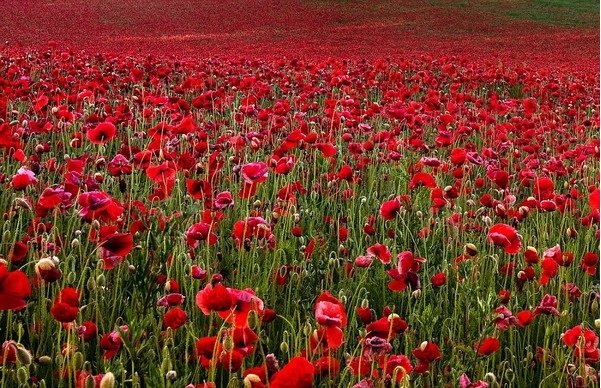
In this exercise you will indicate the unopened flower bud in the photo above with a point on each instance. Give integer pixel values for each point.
(78, 360)
(490, 377)
(22, 375)
(284, 347)
(471, 249)
(171, 375)
(228, 343)
(250, 379)
(23, 355)
(45, 361)
(108, 380)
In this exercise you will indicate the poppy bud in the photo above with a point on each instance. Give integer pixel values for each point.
(364, 303)
(101, 280)
(75, 243)
(71, 277)
(108, 380)
(7, 237)
(416, 294)
(23, 355)
(22, 203)
(131, 268)
(228, 343)
(166, 365)
(490, 377)
(252, 319)
(471, 249)
(284, 347)
(45, 361)
(250, 379)
(91, 284)
(571, 232)
(22, 375)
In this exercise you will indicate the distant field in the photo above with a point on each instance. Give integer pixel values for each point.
(553, 32)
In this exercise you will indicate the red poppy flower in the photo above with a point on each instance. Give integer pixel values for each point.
(586, 343)
(66, 305)
(589, 263)
(422, 179)
(111, 343)
(381, 252)
(328, 150)
(458, 156)
(406, 272)
(398, 365)
(98, 205)
(524, 317)
(118, 244)
(201, 231)
(504, 319)
(594, 199)
(213, 299)
(390, 209)
(439, 279)
(175, 318)
(199, 189)
(505, 236)
(23, 178)
(298, 373)
(243, 301)
(386, 327)
(253, 227)
(330, 312)
(102, 133)
(487, 346)
(327, 366)
(426, 353)
(14, 289)
(550, 269)
(87, 330)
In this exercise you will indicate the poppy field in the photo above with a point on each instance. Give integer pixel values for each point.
(327, 221)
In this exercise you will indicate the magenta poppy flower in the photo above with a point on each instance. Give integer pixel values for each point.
(255, 172)
(548, 305)
(201, 231)
(506, 237)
